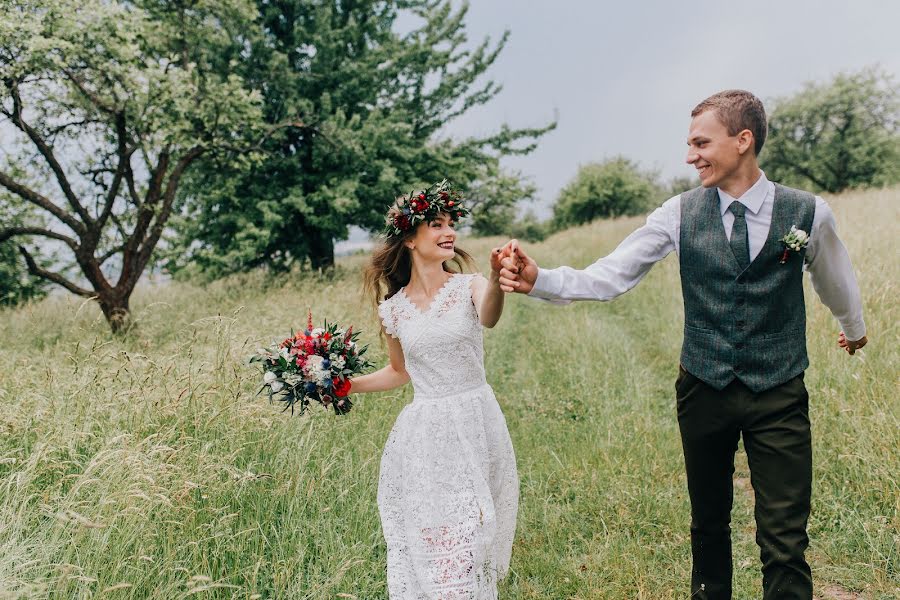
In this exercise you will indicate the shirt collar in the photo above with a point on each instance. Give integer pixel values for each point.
(753, 198)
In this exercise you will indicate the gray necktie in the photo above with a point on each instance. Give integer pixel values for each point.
(739, 244)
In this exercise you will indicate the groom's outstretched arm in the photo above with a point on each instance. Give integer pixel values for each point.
(610, 276)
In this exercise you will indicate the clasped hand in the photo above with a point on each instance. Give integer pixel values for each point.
(515, 270)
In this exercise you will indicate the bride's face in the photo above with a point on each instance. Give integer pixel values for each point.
(434, 241)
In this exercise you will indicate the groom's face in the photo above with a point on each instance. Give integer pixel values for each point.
(715, 154)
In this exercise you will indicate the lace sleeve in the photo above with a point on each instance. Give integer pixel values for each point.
(388, 317)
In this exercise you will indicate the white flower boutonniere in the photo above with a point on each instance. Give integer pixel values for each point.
(796, 240)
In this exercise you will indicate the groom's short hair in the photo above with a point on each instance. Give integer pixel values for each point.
(738, 110)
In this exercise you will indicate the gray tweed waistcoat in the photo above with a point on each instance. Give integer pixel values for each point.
(750, 324)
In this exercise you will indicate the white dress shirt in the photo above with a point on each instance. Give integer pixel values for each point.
(827, 260)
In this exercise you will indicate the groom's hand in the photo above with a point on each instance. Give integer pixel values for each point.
(850, 346)
(519, 271)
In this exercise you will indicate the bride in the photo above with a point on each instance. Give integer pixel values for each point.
(448, 490)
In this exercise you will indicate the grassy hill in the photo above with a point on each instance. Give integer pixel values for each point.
(146, 468)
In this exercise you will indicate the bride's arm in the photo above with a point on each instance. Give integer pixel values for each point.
(488, 298)
(392, 376)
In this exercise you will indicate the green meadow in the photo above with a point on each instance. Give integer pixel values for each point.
(146, 466)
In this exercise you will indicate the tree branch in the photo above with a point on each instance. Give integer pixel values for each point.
(165, 211)
(56, 278)
(110, 253)
(132, 189)
(46, 152)
(147, 210)
(41, 201)
(124, 158)
(94, 98)
(812, 177)
(60, 128)
(10, 232)
(119, 226)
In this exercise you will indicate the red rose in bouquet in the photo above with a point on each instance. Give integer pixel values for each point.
(341, 387)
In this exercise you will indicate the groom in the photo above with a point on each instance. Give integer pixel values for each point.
(744, 351)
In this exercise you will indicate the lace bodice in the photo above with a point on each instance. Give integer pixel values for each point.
(442, 346)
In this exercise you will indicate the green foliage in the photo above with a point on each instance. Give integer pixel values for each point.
(530, 228)
(496, 204)
(16, 284)
(369, 104)
(838, 135)
(679, 184)
(613, 188)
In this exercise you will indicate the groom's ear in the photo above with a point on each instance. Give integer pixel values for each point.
(745, 141)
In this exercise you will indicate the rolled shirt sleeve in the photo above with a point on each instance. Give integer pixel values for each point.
(831, 273)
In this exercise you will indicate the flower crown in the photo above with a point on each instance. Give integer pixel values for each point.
(409, 211)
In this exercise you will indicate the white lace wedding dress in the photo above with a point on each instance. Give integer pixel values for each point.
(448, 491)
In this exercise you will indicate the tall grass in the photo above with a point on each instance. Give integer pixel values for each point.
(148, 468)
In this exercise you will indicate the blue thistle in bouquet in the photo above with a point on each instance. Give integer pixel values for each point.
(314, 365)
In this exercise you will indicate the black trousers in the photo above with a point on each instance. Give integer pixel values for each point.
(775, 426)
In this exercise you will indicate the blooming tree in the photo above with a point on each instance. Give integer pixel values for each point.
(104, 106)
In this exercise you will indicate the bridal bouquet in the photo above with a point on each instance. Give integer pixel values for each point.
(314, 365)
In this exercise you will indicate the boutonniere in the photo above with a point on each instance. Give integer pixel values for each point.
(796, 240)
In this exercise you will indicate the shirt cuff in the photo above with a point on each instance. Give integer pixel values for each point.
(854, 331)
(545, 286)
(548, 286)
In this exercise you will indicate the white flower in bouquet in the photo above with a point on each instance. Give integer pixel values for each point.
(313, 363)
(269, 377)
(315, 369)
(337, 362)
(276, 385)
(292, 379)
(317, 331)
(285, 353)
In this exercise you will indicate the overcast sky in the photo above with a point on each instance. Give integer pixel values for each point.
(623, 76)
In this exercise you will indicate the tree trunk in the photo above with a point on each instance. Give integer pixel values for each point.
(115, 309)
(321, 250)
